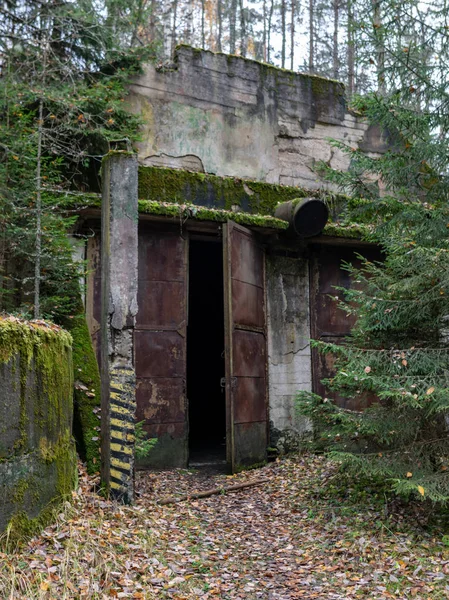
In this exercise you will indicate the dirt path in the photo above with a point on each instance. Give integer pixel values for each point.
(308, 532)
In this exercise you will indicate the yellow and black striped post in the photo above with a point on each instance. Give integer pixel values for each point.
(119, 308)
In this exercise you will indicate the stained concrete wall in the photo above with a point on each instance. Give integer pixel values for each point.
(235, 117)
(289, 357)
(37, 452)
(119, 219)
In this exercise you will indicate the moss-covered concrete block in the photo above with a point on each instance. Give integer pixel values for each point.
(87, 393)
(37, 452)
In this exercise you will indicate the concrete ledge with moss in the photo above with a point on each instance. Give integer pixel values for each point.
(37, 451)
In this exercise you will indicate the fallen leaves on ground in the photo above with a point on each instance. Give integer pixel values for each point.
(309, 532)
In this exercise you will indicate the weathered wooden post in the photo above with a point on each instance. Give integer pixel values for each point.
(119, 216)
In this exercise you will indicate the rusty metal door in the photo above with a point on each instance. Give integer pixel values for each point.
(245, 347)
(328, 322)
(160, 345)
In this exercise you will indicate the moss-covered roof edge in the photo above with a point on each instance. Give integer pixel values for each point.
(204, 213)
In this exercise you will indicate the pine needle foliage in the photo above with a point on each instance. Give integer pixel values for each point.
(397, 357)
(63, 89)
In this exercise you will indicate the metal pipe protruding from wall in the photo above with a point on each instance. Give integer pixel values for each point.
(306, 216)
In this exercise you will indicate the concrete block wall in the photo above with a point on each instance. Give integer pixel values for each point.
(37, 452)
(289, 357)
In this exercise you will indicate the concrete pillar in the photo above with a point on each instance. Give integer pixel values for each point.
(119, 217)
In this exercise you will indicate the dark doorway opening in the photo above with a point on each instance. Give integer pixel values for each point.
(205, 354)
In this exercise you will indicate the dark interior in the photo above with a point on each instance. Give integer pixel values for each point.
(205, 353)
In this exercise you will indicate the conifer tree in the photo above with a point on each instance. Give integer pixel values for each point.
(62, 96)
(397, 358)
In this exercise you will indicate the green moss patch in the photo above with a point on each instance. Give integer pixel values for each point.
(87, 393)
(181, 187)
(191, 211)
(348, 230)
(176, 193)
(39, 460)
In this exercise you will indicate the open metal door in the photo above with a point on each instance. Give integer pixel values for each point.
(245, 347)
(160, 345)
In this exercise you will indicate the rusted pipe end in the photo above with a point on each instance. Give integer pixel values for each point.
(306, 216)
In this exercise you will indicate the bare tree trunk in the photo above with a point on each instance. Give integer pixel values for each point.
(350, 36)
(135, 34)
(167, 28)
(335, 60)
(292, 37)
(188, 22)
(220, 24)
(232, 17)
(152, 24)
(379, 45)
(270, 21)
(243, 39)
(283, 26)
(38, 244)
(173, 31)
(264, 38)
(3, 219)
(311, 37)
(203, 15)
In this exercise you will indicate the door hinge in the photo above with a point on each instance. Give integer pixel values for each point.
(233, 383)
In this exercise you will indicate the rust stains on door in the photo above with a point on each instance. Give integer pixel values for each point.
(245, 347)
(160, 345)
(330, 323)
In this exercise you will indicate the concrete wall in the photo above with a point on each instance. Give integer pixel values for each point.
(289, 359)
(235, 117)
(37, 453)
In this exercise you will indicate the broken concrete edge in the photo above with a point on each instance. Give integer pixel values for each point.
(119, 218)
(37, 451)
(267, 67)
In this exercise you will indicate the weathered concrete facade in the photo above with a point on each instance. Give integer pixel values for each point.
(235, 117)
(289, 356)
(228, 298)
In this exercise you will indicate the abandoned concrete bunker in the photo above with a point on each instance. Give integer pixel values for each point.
(228, 293)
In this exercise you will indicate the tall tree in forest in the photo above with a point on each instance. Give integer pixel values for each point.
(311, 36)
(62, 95)
(269, 30)
(292, 34)
(243, 34)
(283, 31)
(232, 26)
(219, 25)
(335, 39)
(350, 50)
(397, 358)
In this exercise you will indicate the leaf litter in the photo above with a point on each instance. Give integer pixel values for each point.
(308, 532)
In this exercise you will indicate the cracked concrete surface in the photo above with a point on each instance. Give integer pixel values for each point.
(234, 117)
(289, 358)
